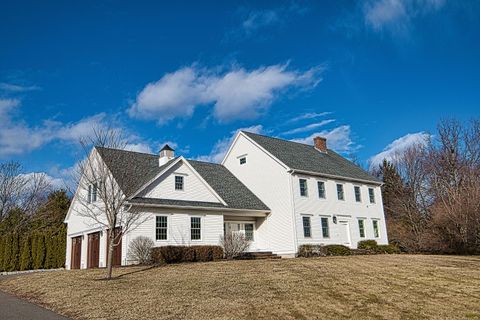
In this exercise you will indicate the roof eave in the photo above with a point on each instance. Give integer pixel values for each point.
(318, 174)
(201, 208)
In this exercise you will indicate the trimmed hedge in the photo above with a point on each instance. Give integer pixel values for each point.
(367, 244)
(388, 248)
(177, 254)
(316, 250)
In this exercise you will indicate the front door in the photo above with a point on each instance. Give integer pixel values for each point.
(244, 228)
(344, 233)
(76, 253)
(93, 250)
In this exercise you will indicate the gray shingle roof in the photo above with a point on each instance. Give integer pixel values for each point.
(299, 156)
(132, 170)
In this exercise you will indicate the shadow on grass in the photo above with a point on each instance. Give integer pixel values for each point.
(146, 268)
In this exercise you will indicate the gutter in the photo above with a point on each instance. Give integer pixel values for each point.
(292, 171)
(223, 209)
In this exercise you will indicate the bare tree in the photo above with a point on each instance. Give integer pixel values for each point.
(23, 191)
(234, 244)
(140, 250)
(99, 196)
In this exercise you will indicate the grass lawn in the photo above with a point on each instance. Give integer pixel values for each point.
(359, 287)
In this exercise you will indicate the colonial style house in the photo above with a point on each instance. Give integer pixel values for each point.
(279, 194)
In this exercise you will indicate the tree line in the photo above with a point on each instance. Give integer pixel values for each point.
(32, 232)
(431, 191)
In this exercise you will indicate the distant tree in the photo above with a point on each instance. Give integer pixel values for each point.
(40, 249)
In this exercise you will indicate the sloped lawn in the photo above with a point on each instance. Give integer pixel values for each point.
(358, 287)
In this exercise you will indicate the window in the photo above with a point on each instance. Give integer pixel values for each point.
(303, 188)
(161, 228)
(89, 198)
(178, 183)
(307, 232)
(243, 160)
(376, 233)
(249, 231)
(195, 228)
(340, 194)
(361, 228)
(358, 195)
(371, 194)
(325, 230)
(92, 193)
(321, 189)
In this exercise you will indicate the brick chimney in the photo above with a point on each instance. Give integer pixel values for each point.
(320, 144)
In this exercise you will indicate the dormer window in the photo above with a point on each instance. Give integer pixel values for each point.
(178, 183)
(243, 160)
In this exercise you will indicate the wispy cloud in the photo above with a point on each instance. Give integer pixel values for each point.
(17, 88)
(235, 94)
(395, 16)
(338, 139)
(18, 137)
(309, 127)
(221, 146)
(309, 116)
(399, 145)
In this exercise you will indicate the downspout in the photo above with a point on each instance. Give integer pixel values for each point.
(294, 221)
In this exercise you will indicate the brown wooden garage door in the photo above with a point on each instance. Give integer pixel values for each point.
(117, 250)
(76, 252)
(93, 250)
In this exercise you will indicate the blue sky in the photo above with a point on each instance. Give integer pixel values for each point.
(371, 76)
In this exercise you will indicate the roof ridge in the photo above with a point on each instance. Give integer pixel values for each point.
(130, 151)
(276, 138)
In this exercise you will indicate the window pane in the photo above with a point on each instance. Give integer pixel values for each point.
(249, 231)
(375, 229)
(195, 228)
(94, 192)
(361, 228)
(89, 197)
(161, 228)
(325, 229)
(303, 188)
(340, 192)
(306, 227)
(178, 183)
(358, 195)
(372, 195)
(321, 189)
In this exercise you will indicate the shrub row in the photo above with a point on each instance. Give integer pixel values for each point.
(364, 247)
(39, 250)
(177, 254)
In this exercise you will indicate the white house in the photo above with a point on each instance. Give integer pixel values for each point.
(279, 194)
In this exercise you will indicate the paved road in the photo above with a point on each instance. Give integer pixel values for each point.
(12, 308)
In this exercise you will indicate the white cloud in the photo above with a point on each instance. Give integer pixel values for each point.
(258, 19)
(17, 88)
(399, 145)
(138, 147)
(396, 15)
(309, 127)
(235, 94)
(56, 183)
(309, 115)
(339, 139)
(221, 146)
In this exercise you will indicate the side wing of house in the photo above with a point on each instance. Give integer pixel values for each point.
(269, 180)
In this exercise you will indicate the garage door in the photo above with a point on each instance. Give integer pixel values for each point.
(76, 252)
(117, 250)
(93, 250)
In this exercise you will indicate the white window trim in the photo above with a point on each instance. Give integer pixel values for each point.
(300, 189)
(245, 222)
(374, 196)
(364, 227)
(378, 227)
(175, 182)
(168, 228)
(328, 225)
(303, 227)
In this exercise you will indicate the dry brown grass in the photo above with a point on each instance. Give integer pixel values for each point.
(359, 287)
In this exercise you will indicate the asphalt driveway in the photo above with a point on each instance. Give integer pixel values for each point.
(13, 308)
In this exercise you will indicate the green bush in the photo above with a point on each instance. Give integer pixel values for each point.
(317, 250)
(177, 254)
(388, 248)
(367, 244)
